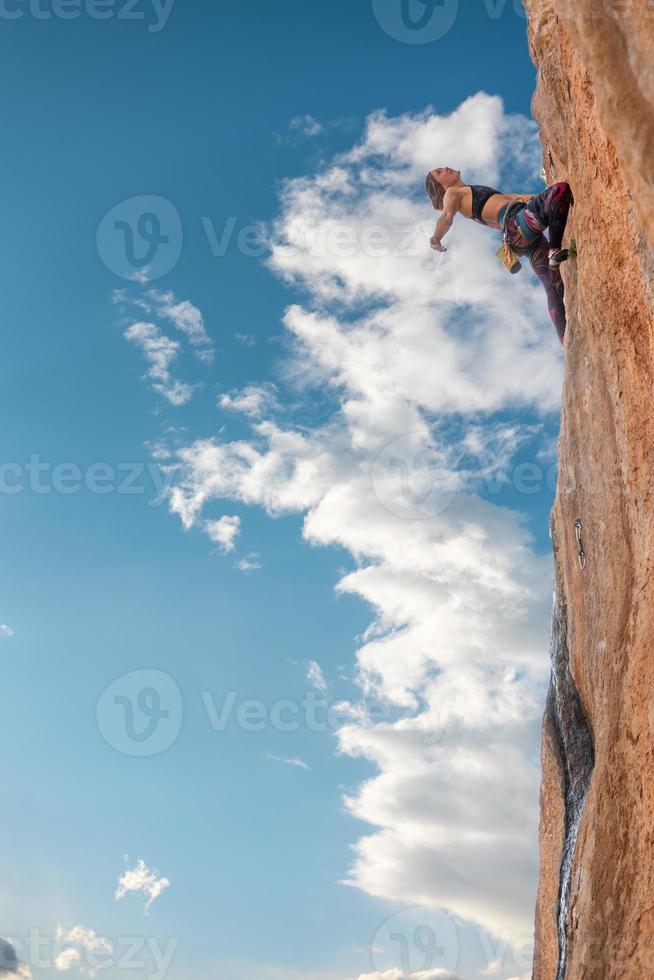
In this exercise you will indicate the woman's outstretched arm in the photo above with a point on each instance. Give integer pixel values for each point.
(444, 223)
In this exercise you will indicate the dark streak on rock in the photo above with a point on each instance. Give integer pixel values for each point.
(577, 754)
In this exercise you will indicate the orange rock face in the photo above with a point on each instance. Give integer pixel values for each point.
(595, 106)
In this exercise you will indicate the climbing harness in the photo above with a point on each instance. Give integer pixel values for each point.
(582, 553)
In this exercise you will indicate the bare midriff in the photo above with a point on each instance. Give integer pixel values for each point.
(492, 207)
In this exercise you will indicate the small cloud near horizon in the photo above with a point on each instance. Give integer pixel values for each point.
(250, 563)
(10, 965)
(224, 532)
(73, 941)
(141, 879)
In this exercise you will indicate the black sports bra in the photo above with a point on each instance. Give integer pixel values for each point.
(480, 197)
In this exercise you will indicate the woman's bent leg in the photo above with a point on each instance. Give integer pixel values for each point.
(553, 284)
(550, 210)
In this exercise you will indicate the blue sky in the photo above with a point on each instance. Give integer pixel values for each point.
(290, 118)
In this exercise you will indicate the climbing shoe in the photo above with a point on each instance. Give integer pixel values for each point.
(557, 256)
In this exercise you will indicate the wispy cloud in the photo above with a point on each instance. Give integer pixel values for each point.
(141, 879)
(160, 352)
(299, 129)
(141, 276)
(247, 339)
(297, 763)
(250, 563)
(6, 630)
(306, 125)
(187, 318)
(315, 676)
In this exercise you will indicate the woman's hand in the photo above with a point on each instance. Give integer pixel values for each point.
(436, 244)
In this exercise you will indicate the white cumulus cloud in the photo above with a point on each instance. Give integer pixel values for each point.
(78, 947)
(253, 400)
(67, 959)
(434, 372)
(224, 532)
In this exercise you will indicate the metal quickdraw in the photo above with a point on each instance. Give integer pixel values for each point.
(580, 548)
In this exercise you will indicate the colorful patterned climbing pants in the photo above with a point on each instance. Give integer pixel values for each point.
(525, 227)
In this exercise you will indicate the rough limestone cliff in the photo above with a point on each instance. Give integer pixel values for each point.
(595, 105)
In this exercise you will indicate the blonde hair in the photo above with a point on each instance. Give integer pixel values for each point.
(435, 192)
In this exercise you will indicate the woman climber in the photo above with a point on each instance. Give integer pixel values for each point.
(521, 217)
